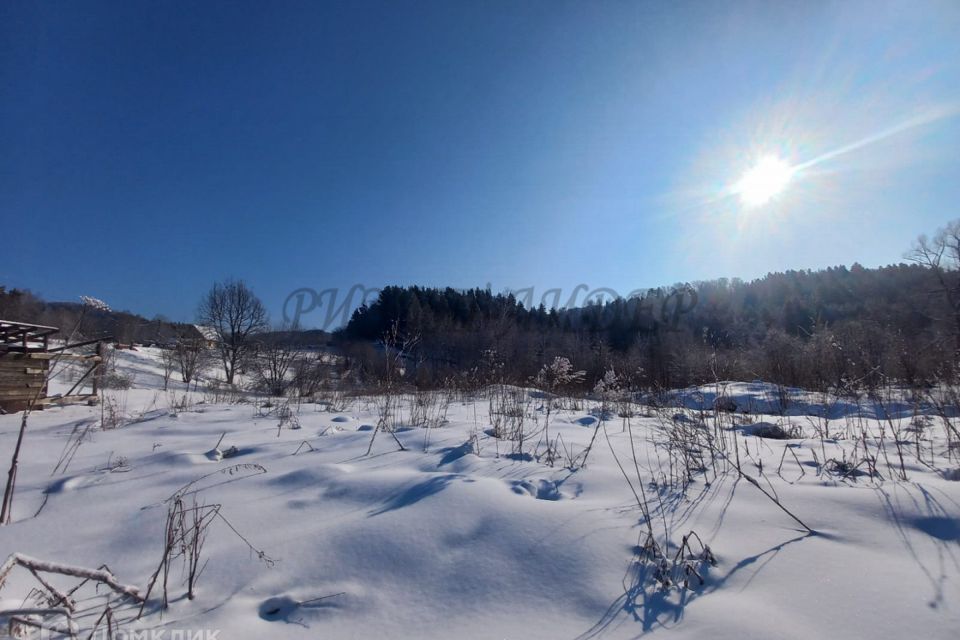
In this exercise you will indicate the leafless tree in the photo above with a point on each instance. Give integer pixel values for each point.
(310, 375)
(232, 310)
(191, 357)
(941, 254)
(275, 361)
(169, 361)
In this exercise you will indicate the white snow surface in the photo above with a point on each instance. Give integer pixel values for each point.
(456, 539)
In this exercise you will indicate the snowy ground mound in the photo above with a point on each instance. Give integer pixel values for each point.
(460, 535)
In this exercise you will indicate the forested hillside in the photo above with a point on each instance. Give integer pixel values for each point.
(808, 328)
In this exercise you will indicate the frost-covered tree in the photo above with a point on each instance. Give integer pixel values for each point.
(558, 374)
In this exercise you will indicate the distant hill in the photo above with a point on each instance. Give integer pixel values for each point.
(126, 327)
(84, 321)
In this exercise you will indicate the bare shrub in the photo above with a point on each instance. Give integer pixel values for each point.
(386, 403)
(274, 364)
(386, 400)
(336, 400)
(553, 378)
(287, 417)
(607, 389)
(111, 413)
(185, 533)
(191, 357)
(508, 412)
(776, 431)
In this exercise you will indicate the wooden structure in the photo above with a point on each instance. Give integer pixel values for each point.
(25, 359)
(23, 338)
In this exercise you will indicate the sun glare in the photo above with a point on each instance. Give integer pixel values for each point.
(764, 181)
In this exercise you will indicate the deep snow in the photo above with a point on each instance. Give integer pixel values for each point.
(462, 540)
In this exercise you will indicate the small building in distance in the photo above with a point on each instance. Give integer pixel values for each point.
(206, 335)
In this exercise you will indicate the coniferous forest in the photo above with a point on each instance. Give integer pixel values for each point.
(814, 329)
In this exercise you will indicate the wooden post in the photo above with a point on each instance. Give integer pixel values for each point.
(99, 372)
(6, 510)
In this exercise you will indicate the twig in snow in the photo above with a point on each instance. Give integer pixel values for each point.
(309, 446)
(97, 575)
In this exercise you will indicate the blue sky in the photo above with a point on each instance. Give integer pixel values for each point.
(149, 149)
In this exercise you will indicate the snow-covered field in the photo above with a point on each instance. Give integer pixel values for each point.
(456, 538)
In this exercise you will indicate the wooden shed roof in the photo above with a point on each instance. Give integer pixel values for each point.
(22, 336)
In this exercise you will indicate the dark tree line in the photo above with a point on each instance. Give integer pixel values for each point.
(817, 329)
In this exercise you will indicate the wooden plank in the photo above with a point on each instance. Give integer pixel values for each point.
(23, 383)
(9, 361)
(24, 393)
(17, 355)
(12, 406)
(18, 371)
(7, 377)
(11, 385)
(16, 364)
(9, 374)
(26, 325)
(20, 389)
(96, 341)
(42, 356)
(22, 370)
(68, 399)
(72, 357)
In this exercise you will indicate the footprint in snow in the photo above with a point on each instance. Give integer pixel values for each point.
(539, 489)
(282, 608)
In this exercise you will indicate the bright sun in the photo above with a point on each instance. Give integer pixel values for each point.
(765, 180)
